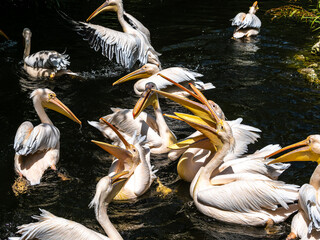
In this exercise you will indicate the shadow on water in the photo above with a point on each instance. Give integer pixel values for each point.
(253, 80)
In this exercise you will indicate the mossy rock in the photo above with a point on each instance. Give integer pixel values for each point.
(310, 75)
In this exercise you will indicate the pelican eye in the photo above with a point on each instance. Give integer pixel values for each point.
(51, 96)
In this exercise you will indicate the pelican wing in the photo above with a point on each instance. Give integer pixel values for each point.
(51, 227)
(243, 135)
(309, 200)
(136, 24)
(247, 192)
(177, 74)
(126, 48)
(242, 20)
(48, 60)
(29, 140)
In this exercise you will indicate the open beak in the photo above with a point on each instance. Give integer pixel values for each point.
(197, 142)
(140, 73)
(202, 126)
(56, 105)
(118, 152)
(104, 7)
(195, 107)
(302, 152)
(118, 177)
(148, 97)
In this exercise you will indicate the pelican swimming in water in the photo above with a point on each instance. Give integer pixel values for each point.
(306, 223)
(129, 47)
(247, 24)
(228, 192)
(38, 148)
(51, 227)
(133, 121)
(44, 63)
(134, 158)
(149, 73)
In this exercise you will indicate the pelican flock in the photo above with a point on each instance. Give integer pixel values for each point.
(226, 182)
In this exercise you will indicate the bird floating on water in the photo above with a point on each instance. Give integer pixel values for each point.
(134, 158)
(129, 48)
(38, 148)
(44, 63)
(248, 24)
(51, 227)
(150, 73)
(230, 194)
(306, 223)
(134, 121)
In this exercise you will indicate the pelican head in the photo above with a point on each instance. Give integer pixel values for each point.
(148, 97)
(254, 8)
(106, 189)
(48, 99)
(130, 155)
(306, 150)
(108, 5)
(145, 71)
(27, 34)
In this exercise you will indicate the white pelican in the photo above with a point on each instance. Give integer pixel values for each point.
(247, 24)
(128, 47)
(38, 148)
(134, 158)
(306, 223)
(149, 73)
(131, 121)
(51, 227)
(226, 192)
(44, 63)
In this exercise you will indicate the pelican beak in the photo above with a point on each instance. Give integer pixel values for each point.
(55, 104)
(140, 73)
(3, 34)
(202, 126)
(104, 7)
(118, 177)
(197, 142)
(195, 107)
(148, 97)
(118, 152)
(255, 5)
(302, 152)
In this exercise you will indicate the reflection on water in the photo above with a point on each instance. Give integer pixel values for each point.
(252, 80)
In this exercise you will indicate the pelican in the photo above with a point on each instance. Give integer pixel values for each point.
(306, 223)
(44, 63)
(38, 148)
(131, 121)
(51, 227)
(226, 192)
(128, 47)
(135, 159)
(193, 157)
(149, 73)
(247, 24)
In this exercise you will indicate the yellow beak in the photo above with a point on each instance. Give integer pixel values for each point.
(197, 142)
(104, 7)
(202, 126)
(118, 152)
(117, 178)
(56, 105)
(148, 97)
(3, 34)
(140, 73)
(302, 153)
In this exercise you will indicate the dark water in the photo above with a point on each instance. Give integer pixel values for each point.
(254, 80)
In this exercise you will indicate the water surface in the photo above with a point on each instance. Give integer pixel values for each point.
(253, 80)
